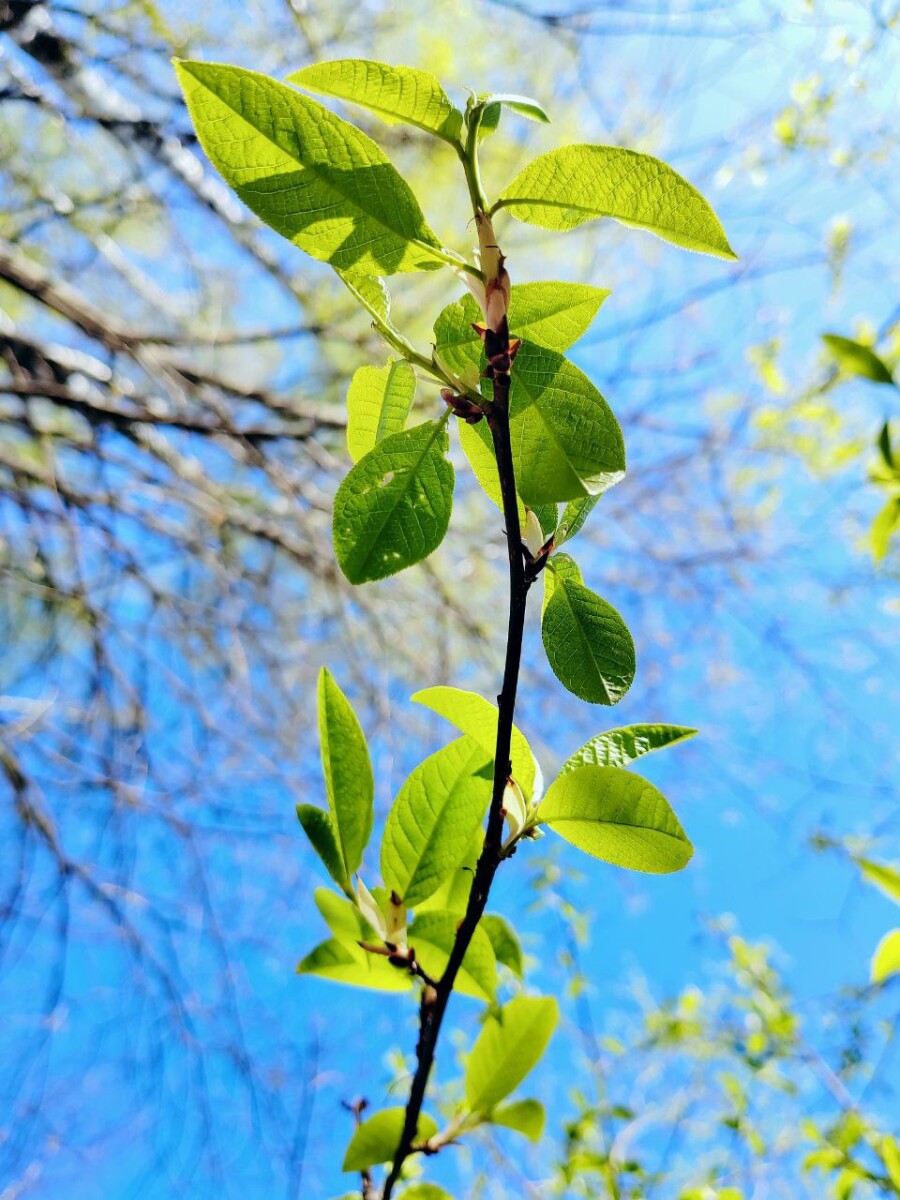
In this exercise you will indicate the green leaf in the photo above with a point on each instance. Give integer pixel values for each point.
(885, 447)
(349, 783)
(565, 187)
(886, 959)
(856, 358)
(553, 315)
(561, 568)
(587, 642)
(477, 717)
(574, 516)
(478, 448)
(506, 945)
(316, 179)
(566, 442)
(433, 934)
(394, 507)
(343, 918)
(618, 817)
(885, 525)
(523, 105)
(510, 1044)
(886, 878)
(490, 119)
(525, 1116)
(378, 403)
(396, 94)
(453, 894)
(376, 1140)
(890, 1155)
(619, 747)
(371, 292)
(319, 828)
(343, 963)
(432, 822)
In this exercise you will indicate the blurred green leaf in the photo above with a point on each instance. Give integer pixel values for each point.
(376, 1140)
(510, 1044)
(506, 945)
(886, 959)
(525, 1116)
(855, 358)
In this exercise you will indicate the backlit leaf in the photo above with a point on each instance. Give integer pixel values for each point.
(377, 1139)
(588, 644)
(343, 963)
(378, 403)
(616, 816)
(510, 1044)
(856, 358)
(619, 747)
(525, 1116)
(433, 934)
(886, 959)
(565, 187)
(393, 508)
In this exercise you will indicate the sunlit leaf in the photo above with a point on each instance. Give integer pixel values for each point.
(343, 918)
(396, 94)
(434, 818)
(349, 783)
(616, 816)
(565, 187)
(619, 747)
(588, 644)
(856, 358)
(378, 403)
(886, 959)
(343, 963)
(433, 934)
(393, 508)
(510, 1044)
(523, 105)
(506, 945)
(884, 877)
(316, 179)
(377, 1139)
(477, 717)
(525, 1116)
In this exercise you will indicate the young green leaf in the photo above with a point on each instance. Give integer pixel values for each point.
(886, 959)
(884, 527)
(574, 516)
(523, 105)
(319, 828)
(566, 442)
(506, 945)
(885, 878)
(424, 1191)
(510, 1044)
(317, 180)
(453, 894)
(376, 1140)
(396, 94)
(349, 783)
(618, 817)
(553, 315)
(525, 1116)
(478, 448)
(561, 568)
(434, 818)
(393, 508)
(477, 717)
(565, 187)
(372, 293)
(432, 935)
(619, 747)
(587, 643)
(344, 963)
(343, 918)
(378, 404)
(856, 358)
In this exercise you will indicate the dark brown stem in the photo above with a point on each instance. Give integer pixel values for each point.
(435, 1000)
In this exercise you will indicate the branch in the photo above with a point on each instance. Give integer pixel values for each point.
(435, 1000)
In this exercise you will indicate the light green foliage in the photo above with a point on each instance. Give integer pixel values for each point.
(565, 187)
(525, 1116)
(523, 105)
(433, 933)
(886, 959)
(574, 516)
(506, 945)
(424, 1191)
(378, 403)
(317, 180)
(566, 442)
(564, 568)
(453, 894)
(343, 918)
(587, 643)
(476, 444)
(884, 877)
(342, 962)
(349, 783)
(319, 828)
(856, 358)
(510, 1044)
(396, 94)
(434, 818)
(619, 747)
(618, 817)
(377, 1138)
(477, 717)
(393, 508)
